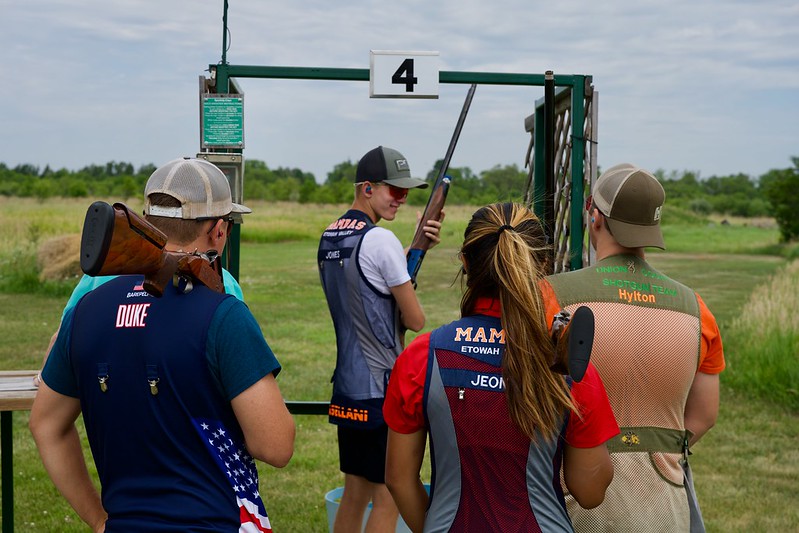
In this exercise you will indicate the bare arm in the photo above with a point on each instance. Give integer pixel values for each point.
(702, 406)
(52, 423)
(411, 313)
(404, 457)
(588, 472)
(267, 424)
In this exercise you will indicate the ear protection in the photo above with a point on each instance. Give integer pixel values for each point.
(593, 219)
(368, 188)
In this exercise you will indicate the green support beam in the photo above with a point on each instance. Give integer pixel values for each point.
(222, 73)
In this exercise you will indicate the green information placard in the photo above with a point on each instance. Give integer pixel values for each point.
(223, 121)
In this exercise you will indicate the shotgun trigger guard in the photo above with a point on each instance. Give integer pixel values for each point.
(182, 283)
(559, 323)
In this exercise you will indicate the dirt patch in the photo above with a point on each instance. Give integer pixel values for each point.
(59, 258)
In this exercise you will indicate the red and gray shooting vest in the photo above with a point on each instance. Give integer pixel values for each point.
(487, 475)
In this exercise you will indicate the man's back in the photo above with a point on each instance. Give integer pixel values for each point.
(648, 346)
(166, 442)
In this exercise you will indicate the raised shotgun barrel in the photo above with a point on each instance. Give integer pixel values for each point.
(116, 241)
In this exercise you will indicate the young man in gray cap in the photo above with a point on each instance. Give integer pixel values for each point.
(659, 352)
(178, 393)
(365, 278)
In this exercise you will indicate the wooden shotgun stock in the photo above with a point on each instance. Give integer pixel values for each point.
(116, 241)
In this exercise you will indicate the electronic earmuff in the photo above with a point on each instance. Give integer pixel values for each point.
(367, 189)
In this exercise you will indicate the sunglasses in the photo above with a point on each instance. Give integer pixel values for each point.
(398, 193)
(228, 219)
(589, 202)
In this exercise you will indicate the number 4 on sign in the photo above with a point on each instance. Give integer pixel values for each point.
(397, 74)
(404, 75)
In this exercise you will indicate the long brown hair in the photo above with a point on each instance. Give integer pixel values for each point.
(505, 251)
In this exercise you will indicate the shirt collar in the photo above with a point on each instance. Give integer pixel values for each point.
(487, 306)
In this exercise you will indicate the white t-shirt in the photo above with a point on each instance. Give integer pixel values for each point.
(382, 260)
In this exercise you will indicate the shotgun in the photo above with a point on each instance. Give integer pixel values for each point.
(573, 335)
(116, 241)
(438, 196)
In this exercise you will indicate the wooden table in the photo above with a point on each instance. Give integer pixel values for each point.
(16, 394)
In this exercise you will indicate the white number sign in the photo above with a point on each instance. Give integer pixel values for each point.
(397, 74)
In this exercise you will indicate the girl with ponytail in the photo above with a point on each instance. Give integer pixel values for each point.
(501, 422)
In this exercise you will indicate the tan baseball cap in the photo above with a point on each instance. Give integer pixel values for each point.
(632, 201)
(202, 189)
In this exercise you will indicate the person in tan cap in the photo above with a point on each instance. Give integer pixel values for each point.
(180, 196)
(177, 393)
(658, 350)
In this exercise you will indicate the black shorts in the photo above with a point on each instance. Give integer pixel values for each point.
(362, 452)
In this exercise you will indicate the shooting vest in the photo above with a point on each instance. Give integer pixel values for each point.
(366, 322)
(646, 348)
(487, 475)
(169, 451)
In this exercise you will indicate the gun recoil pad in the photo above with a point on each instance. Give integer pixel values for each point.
(98, 228)
(581, 341)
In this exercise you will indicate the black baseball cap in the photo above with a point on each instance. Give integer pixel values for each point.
(386, 165)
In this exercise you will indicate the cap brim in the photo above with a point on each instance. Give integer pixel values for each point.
(407, 183)
(635, 236)
(243, 209)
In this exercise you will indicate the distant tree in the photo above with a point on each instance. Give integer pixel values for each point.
(507, 183)
(730, 185)
(343, 172)
(781, 189)
(27, 170)
(686, 186)
(146, 170)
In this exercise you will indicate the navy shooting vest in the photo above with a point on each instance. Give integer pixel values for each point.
(366, 323)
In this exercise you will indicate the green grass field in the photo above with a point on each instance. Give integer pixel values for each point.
(746, 467)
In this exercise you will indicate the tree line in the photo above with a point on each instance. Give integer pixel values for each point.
(774, 194)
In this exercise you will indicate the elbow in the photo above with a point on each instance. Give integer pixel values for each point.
(589, 492)
(393, 479)
(275, 452)
(593, 497)
(590, 502)
(277, 456)
(415, 323)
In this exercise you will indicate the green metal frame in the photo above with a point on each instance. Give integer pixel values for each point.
(222, 73)
(577, 158)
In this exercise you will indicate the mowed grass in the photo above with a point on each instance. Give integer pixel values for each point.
(746, 467)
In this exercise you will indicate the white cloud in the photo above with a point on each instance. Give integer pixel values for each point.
(710, 86)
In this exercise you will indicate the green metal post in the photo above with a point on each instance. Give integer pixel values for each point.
(232, 254)
(539, 166)
(578, 172)
(7, 475)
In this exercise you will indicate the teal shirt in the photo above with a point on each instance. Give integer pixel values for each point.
(89, 283)
(236, 352)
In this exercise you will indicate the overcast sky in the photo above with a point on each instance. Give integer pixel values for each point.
(704, 85)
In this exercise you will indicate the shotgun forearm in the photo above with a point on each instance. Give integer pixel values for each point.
(421, 243)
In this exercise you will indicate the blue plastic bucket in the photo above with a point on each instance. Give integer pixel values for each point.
(332, 500)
